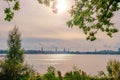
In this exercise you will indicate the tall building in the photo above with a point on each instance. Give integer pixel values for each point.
(118, 49)
(42, 49)
(56, 49)
(64, 50)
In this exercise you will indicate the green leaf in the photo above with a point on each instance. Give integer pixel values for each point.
(69, 23)
(40, 1)
(16, 6)
(88, 38)
(91, 33)
(109, 34)
(93, 38)
(7, 10)
(114, 30)
(110, 15)
(47, 2)
(9, 14)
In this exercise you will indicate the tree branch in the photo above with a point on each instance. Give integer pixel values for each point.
(8, 3)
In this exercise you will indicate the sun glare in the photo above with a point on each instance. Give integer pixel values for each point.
(61, 6)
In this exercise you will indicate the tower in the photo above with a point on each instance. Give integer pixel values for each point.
(42, 49)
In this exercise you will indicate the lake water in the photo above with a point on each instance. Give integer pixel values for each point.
(65, 62)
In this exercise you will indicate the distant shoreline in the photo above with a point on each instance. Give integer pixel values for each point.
(63, 53)
(102, 52)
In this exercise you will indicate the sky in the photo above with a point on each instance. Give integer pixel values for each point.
(40, 27)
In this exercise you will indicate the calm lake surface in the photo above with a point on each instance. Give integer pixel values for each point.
(65, 62)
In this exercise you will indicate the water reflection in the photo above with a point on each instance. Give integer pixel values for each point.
(64, 62)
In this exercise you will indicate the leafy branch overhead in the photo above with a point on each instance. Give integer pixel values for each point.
(94, 15)
(9, 11)
(90, 16)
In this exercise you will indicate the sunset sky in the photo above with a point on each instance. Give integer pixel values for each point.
(40, 27)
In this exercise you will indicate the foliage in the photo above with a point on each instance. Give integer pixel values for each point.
(113, 68)
(50, 75)
(72, 75)
(15, 53)
(12, 68)
(46, 2)
(59, 75)
(94, 15)
(9, 11)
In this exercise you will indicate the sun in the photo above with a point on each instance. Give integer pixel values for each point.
(61, 6)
